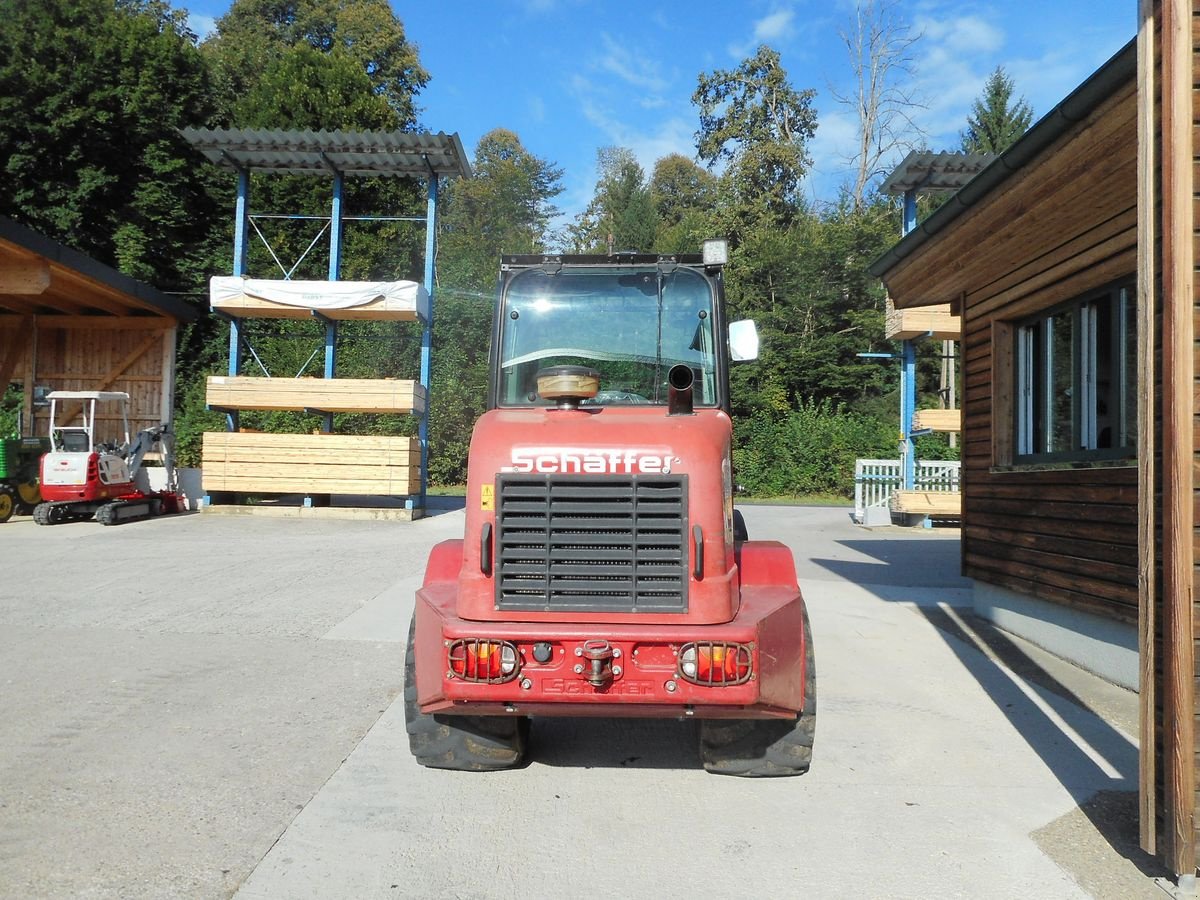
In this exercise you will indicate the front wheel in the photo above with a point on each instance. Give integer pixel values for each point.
(8, 502)
(463, 743)
(765, 747)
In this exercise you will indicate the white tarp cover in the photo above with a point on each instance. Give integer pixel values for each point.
(226, 290)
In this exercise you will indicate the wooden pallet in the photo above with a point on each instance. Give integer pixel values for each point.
(331, 395)
(257, 463)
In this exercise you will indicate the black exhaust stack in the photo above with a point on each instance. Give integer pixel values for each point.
(679, 390)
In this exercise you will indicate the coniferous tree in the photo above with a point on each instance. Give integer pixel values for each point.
(996, 120)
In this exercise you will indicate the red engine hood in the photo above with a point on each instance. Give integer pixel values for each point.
(607, 441)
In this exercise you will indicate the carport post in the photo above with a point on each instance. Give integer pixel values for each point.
(427, 335)
(241, 228)
(908, 404)
(335, 272)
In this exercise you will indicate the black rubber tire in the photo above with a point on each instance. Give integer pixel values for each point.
(763, 748)
(462, 743)
(8, 502)
(740, 533)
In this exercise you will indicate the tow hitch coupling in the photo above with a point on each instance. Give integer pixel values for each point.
(598, 662)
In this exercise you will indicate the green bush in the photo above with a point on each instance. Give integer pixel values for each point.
(810, 450)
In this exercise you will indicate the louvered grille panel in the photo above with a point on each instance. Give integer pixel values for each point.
(592, 543)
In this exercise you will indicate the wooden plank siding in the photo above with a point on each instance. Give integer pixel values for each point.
(1192, 148)
(1065, 534)
(136, 356)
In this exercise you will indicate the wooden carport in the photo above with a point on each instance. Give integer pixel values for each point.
(68, 322)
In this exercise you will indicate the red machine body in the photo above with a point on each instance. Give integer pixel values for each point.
(604, 570)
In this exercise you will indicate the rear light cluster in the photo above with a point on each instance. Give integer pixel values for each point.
(486, 661)
(712, 663)
(704, 663)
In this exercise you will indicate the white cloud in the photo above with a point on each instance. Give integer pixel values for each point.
(201, 26)
(775, 27)
(639, 71)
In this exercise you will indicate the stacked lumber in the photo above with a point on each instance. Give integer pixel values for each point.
(327, 395)
(937, 420)
(922, 321)
(927, 503)
(255, 462)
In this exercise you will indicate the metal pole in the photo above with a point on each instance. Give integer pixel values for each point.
(908, 407)
(427, 335)
(335, 271)
(908, 373)
(241, 228)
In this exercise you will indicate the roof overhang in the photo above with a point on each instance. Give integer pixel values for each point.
(39, 276)
(369, 153)
(930, 234)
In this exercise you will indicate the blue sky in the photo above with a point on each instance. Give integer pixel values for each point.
(572, 76)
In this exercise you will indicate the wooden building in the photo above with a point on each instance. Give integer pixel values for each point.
(68, 322)
(1070, 261)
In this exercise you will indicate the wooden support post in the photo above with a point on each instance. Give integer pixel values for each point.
(1146, 292)
(1178, 280)
(8, 363)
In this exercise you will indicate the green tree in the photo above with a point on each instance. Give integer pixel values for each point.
(621, 215)
(92, 93)
(505, 208)
(752, 118)
(255, 32)
(996, 121)
(684, 197)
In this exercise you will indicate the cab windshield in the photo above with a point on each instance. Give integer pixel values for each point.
(631, 325)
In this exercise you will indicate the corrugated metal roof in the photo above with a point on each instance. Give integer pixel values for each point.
(935, 173)
(322, 152)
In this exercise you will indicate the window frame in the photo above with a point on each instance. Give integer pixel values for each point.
(1035, 370)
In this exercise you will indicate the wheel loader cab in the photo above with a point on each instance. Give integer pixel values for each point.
(630, 322)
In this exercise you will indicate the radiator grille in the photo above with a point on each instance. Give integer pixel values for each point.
(592, 543)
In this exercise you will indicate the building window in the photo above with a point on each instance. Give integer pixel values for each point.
(1076, 371)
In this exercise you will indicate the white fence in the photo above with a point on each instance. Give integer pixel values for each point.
(875, 479)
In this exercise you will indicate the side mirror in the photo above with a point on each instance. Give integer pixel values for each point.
(743, 340)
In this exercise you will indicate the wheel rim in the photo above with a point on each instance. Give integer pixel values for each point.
(30, 493)
(6, 505)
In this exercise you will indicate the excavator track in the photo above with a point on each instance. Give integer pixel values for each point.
(128, 510)
(54, 513)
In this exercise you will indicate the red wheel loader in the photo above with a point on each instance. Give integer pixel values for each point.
(604, 570)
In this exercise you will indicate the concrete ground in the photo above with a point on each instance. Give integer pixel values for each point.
(206, 706)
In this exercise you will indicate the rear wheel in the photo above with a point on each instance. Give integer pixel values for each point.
(464, 743)
(765, 747)
(8, 502)
(29, 495)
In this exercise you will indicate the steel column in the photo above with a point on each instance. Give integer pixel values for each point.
(241, 230)
(427, 336)
(335, 272)
(908, 409)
